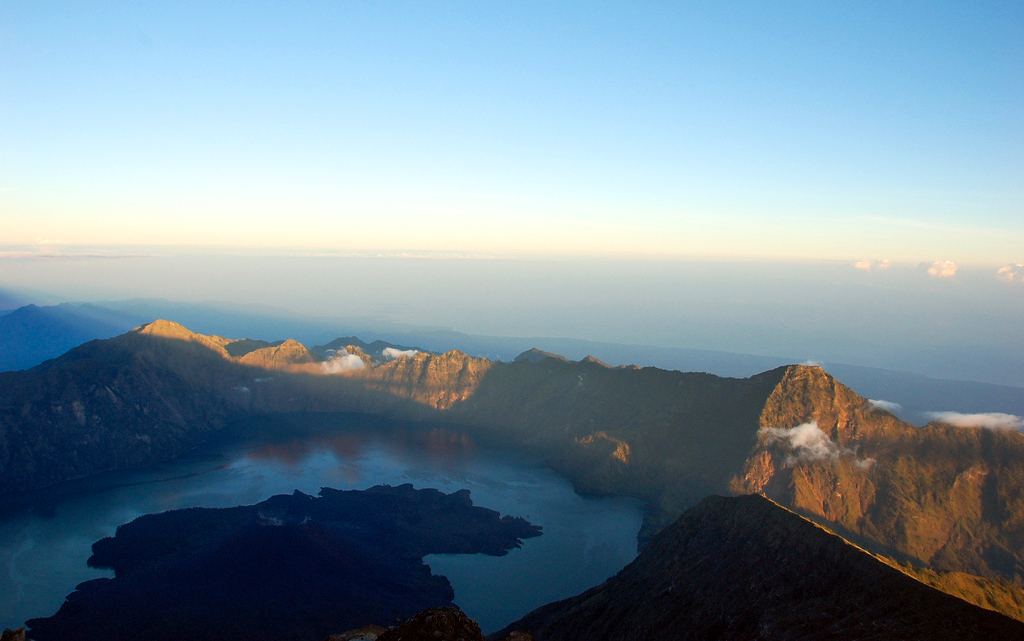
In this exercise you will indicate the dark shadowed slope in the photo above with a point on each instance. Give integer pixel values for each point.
(746, 568)
(291, 567)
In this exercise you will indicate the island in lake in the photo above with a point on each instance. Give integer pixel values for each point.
(292, 567)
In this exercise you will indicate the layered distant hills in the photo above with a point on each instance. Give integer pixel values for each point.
(939, 497)
(32, 334)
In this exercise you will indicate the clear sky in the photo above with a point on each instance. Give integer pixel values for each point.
(817, 130)
(835, 181)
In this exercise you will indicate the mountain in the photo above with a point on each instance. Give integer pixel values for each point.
(943, 497)
(32, 334)
(746, 568)
(378, 350)
(35, 339)
(949, 497)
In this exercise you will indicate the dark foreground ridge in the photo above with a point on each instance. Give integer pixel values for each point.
(746, 568)
(291, 567)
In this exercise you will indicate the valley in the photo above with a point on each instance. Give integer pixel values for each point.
(940, 498)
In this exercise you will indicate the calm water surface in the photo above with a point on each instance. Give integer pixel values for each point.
(44, 545)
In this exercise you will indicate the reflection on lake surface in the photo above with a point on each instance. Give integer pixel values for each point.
(46, 538)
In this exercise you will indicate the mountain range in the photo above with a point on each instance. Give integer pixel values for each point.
(941, 503)
(32, 334)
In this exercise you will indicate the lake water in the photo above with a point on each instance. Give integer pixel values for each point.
(45, 541)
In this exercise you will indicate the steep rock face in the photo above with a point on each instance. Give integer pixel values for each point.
(746, 568)
(947, 497)
(436, 381)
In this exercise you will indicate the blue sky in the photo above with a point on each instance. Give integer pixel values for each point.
(823, 180)
(835, 131)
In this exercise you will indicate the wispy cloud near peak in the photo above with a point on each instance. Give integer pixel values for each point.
(991, 420)
(888, 406)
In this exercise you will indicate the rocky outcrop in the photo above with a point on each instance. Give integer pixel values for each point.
(288, 355)
(436, 381)
(746, 568)
(447, 623)
(942, 496)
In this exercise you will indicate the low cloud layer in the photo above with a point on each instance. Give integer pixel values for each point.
(391, 353)
(885, 405)
(873, 265)
(1011, 273)
(940, 268)
(807, 443)
(992, 420)
(341, 362)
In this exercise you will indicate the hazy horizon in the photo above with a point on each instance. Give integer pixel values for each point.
(827, 182)
(900, 318)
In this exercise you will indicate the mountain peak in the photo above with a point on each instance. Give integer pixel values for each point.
(592, 360)
(534, 355)
(165, 329)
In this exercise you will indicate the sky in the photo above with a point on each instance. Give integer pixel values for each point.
(818, 178)
(815, 130)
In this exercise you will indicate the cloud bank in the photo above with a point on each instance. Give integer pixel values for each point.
(1011, 273)
(391, 353)
(940, 268)
(992, 420)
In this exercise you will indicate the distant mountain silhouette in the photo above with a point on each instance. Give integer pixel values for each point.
(30, 335)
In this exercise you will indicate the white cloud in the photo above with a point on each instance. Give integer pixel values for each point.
(940, 268)
(811, 363)
(391, 353)
(1011, 273)
(342, 361)
(993, 420)
(807, 443)
(884, 405)
(869, 265)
